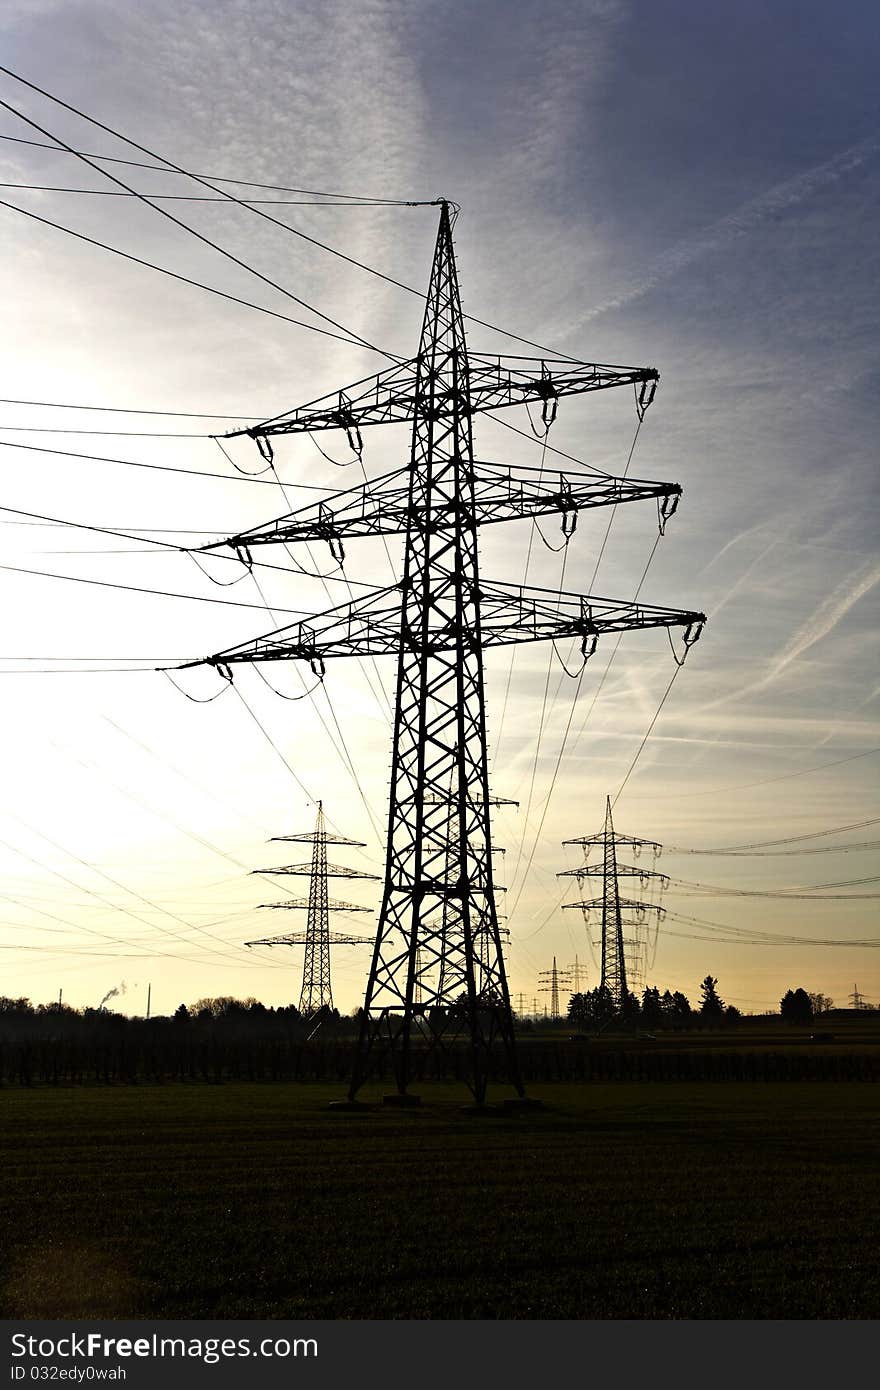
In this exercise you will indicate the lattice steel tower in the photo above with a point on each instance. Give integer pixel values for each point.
(438, 937)
(617, 912)
(552, 979)
(317, 992)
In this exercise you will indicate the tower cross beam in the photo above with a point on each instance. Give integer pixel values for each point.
(501, 493)
(623, 871)
(305, 870)
(509, 613)
(392, 396)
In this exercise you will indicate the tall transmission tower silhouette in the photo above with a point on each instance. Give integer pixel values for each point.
(617, 912)
(552, 979)
(437, 621)
(316, 994)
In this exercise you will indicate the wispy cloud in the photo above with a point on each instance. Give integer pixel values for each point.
(736, 224)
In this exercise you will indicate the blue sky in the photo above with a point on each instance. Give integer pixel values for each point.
(687, 186)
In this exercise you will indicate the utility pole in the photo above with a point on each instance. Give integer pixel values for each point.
(617, 912)
(316, 994)
(149, 993)
(437, 621)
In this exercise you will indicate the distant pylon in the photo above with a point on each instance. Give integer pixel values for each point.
(617, 911)
(552, 980)
(316, 992)
(578, 973)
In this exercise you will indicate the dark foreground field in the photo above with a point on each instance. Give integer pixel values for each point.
(616, 1201)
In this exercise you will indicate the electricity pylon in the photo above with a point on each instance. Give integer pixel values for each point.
(437, 621)
(316, 993)
(617, 912)
(552, 980)
(578, 973)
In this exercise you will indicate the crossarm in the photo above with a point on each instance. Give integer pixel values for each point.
(626, 905)
(493, 382)
(624, 870)
(306, 870)
(371, 626)
(302, 904)
(502, 492)
(300, 938)
(599, 839)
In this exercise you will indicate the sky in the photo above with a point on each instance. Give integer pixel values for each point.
(689, 187)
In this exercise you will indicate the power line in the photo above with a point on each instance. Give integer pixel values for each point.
(140, 589)
(787, 840)
(145, 805)
(169, 547)
(127, 410)
(802, 891)
(194, 197)
(549, 447)
(749, 937)
(176, 275)
(157, 467)
(93, 868)
(777, 853)
(119, 434)
(566, 732)
(341, 749)
(764, 782)
(76, 926)
(206, 183)
(274, 746)
(169, 216)
(663, 698)
(640, 415)
(164, 168)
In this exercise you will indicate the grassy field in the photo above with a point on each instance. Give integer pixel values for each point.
(615, 1201)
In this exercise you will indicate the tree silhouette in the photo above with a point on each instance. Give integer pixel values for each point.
(652, 1008)
(796, 1006)
(711, 1004)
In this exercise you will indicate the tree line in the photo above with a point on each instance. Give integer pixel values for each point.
(596, 1008)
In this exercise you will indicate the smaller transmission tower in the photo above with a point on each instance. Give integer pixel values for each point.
(617, 912)
(316, 994)
(552, 979)
(857, 1000)
(578, 976)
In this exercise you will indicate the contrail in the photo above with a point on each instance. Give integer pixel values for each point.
(818, 625)
(744, 219)
(827, 616)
